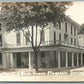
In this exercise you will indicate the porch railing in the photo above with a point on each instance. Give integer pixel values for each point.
(44, 43)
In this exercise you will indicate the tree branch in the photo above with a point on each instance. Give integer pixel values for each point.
(29, 32)
(32, 37)
(26, 36)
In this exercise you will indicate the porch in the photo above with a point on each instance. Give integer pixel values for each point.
(46, 60)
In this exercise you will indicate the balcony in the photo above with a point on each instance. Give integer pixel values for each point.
(45, 43)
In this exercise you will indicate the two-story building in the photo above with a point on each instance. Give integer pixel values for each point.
(60, 48)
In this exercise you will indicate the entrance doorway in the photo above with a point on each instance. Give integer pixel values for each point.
(79, 59)
(21, 59)
(18, 59)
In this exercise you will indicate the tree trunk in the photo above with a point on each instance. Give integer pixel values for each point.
(36, 60)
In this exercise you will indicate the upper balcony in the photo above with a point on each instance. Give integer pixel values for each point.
(45, 43)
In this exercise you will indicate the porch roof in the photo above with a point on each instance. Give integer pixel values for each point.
(46, 48)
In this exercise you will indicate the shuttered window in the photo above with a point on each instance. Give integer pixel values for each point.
(18, 38)
(0, 40)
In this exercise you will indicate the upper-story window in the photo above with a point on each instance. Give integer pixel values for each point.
(65, 38)
(42, 36)
(54, 37)
(71, 29)
(74, 41)
(27, 37)
(18, 38)
(56, 25)
(74, 31)
(0, 58)
(59, 37)
(60, 25)
(65, 27)
(71, 40)
(0, 26)
(0, 40)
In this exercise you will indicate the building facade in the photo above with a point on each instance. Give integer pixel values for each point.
(81, 40)
(59, 49)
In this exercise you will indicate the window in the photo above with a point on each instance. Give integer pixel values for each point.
(42, 36)
(0, 26)
(43, 59)
(59, 37)
(74, 41)
(56, 25)
(60, 25)
(65, 38)
(0, 40)
(18, 38)
(27, 37)
(54, 37)
(74, 31)
(71, 30)
(65, 27)
(0, 58)
(71, 41)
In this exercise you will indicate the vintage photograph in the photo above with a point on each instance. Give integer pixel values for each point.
(42, 41)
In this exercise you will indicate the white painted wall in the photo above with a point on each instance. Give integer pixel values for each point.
(62, 31)
(81, 40)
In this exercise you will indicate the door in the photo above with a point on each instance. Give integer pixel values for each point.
(43, 59)
(55, 59)
(79, 59)
(18, 59)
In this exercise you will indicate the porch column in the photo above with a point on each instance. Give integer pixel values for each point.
(72, 59)
(77, 59)
(30, 61)
(81, 59)
(4, 59)
(66, 60)
(58, 59)
(11, 60)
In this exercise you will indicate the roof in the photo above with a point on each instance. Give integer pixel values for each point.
(73, 22)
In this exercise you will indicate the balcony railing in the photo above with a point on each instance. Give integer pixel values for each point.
(44, 43)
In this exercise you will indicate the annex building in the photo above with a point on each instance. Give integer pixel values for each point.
(60, 48)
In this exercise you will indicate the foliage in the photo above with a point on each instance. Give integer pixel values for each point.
(19, 14)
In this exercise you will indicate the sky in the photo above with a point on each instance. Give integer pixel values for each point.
(76, 11)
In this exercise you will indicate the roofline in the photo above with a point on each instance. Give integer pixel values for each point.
(72, 21)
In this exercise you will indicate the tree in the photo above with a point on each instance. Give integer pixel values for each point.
(31, 16)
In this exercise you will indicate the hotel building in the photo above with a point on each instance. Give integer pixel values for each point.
(59, 48)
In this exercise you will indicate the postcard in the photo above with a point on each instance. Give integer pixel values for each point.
(42, 41)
